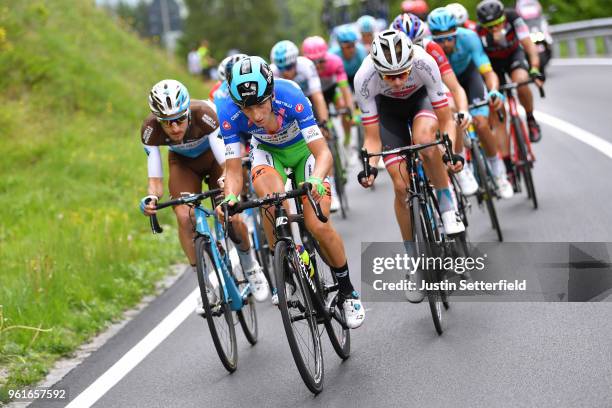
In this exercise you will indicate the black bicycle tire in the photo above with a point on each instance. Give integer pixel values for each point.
(526, 165)
(483, 176)
(338, 175)
(461, 200)
(202, 247)
(281, 252)
(422, 243)
(343, 351)
(251, 333)
(264, 255)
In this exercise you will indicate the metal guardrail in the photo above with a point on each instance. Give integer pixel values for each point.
(587, 31)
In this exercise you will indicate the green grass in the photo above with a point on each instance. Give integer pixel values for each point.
(600, 48)
(74, 249)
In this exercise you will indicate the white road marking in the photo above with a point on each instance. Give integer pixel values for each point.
(136, 354)
(577, 133)
(580, 61)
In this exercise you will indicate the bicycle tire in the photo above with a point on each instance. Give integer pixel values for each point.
(286, 267)
(325, 279)
(461, 200)
(222, 312)
(263, 253)
(480, 168)
(247, 315)
(423, 246)
(339, 176)
(525, 167)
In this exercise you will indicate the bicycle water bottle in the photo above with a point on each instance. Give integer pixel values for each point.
(305, 257)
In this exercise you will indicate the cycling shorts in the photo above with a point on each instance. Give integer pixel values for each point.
(332, 94)
(395, 117)
(518, 60)
(187, 173)
(475, 88)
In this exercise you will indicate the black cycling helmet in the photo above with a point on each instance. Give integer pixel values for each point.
(490, 12)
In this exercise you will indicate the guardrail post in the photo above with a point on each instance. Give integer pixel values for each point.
(591, 47)
(608, 45)
(572, 48)
(556, 49)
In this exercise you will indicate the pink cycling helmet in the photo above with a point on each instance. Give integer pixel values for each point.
(314, 48)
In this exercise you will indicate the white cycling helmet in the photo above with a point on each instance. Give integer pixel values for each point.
(169, 99)
(460, 13)
(227, 63)
(391, 52)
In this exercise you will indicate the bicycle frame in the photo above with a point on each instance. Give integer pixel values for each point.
(230, 290)
(513, 108)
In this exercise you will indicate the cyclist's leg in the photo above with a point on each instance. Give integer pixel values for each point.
(499, 127)
(519, 71)
(394, 115)
(184, 179)
(340, 103)
(268, 176)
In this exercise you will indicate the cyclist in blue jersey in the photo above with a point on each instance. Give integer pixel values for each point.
(473, 69)
(367, 28)
(284, 134)
(350, 50)
(190, 129)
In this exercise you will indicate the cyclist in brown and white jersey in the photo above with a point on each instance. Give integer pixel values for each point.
(190, 129)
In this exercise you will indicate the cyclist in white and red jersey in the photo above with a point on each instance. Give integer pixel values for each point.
(414, 28)
(399, 84)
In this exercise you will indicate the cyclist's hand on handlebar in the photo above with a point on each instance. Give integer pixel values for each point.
(463, 119)
(231, 200)
(497, 99)
(537, 76)
(318, 190)
(369, 181)
(148, 205)
(458, 166)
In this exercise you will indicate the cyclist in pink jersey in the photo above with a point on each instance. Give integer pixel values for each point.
(334, 81)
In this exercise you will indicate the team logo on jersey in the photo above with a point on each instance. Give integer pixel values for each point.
(146, 135)
(299, 108)
(226, 125)
(209, 120)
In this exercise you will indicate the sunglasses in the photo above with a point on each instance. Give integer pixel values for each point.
(444, 38)
(319, 61)
(287, 68)
(392, 77)
(493, 23)
(347, 45)
(178, 121)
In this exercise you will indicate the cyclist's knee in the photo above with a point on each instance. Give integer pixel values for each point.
(183, 216)
(481, 123)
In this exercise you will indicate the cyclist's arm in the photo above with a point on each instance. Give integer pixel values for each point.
(459, 95)
(323, 157)
(491, 80)
(346, 94)
(371, 141)
(481, 60)
(532, 52)
(233, 176)
(366, 86)
(320, 106)
(155, 171)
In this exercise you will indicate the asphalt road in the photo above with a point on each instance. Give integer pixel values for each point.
(491, 354)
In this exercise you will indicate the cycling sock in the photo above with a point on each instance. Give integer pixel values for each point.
(344, 281)
(445, 199)
(508, 164)
(193, 267)
(247, 259)
(497, 166)
(529, 115)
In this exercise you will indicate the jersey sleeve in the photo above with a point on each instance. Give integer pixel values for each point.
(480, 58)
(439, 56)
(520, 27)
(427, 70)
(365, 89)
(314, 83)
(230, 131)
(302, 113)
(154, 163)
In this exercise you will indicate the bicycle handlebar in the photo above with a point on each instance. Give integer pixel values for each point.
(514, 85)
(277, 198)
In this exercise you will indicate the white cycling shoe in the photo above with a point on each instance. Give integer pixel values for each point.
(211, 294)
(335, 203)
(467, 182)
(258, 283)
(504, 188)
(452, 222)
(415, 295)
(354, 312)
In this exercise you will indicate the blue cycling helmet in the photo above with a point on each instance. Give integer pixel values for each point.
(366, 24)
(284, 54)
(346, 34)
(251, 82)
(440, 20)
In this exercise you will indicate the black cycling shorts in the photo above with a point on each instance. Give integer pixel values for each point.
(395, 118)
(330, 94)
(472, 81)
(518, 60)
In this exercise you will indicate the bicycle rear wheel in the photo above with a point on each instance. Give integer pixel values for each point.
(247, 315)
(218, 313)
(525, 164)
(486, 189)
(339, 176)
(424, 246)
(298, 316)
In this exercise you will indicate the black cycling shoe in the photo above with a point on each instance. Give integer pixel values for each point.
(535, 134)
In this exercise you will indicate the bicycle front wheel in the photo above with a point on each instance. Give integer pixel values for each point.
(218, 313)
(298, 316)
(339, 176)
(424, 245)
(247, 315)
(487, 193)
